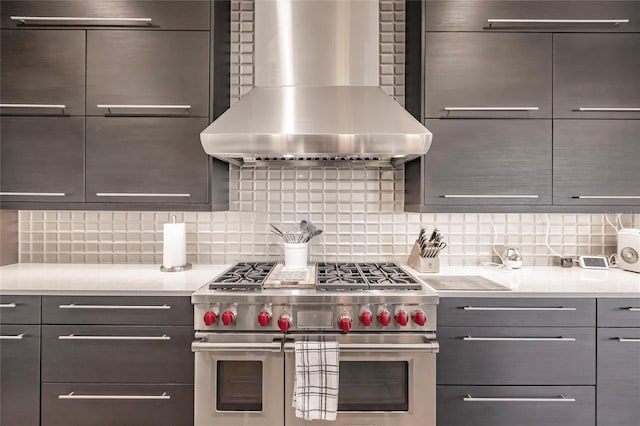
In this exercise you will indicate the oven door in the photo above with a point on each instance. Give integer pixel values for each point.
(238, 379)
(385, 380)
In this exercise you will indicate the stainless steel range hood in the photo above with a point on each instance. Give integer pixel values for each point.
(317, 96)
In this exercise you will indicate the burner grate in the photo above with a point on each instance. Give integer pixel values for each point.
(243, 276)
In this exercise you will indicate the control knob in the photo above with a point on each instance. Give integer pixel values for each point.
(345, 323)
(228, 317)
(210, 318)
(284, 323)
(366, 317)
(419, 317)
(402, 318)
(264, 318)
(384, 318)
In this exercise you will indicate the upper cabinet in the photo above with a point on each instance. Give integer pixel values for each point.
(596, 75)
(148, 72)
(533, 15)
(144, 14)
(488, 75)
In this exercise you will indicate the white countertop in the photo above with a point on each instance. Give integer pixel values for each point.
(103, 279)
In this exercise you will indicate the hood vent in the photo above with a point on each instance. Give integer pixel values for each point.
(316, 98)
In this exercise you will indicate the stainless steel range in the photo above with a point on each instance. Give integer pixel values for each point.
(248, 318)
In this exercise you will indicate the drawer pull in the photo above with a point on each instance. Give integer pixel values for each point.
(632, 309)
(25, 19)
(140, 194)
(72, 395)
(164, 337)
(520, 108)
(7, 305)
(601, 109)
(131, 307)
(627, 340)
(16, 337)
(561, 398)
(39, 106)
(34, 194)
(608, 197)
(489, 196)
(275, 346)
(509, 308)
(144, 106)
(519, 339)
(557, 21)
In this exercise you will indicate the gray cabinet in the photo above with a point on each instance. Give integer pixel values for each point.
(474, 162)
(148, 72)
(516, 405)
(596, 75)
(146, 159)
(42, 159)
(134, 14)
(488, 75)
(19, 309)
(19, 375)
(619, 312)
(43, 69)
(595, 162)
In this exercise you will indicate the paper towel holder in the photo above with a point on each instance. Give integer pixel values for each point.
(184, 267)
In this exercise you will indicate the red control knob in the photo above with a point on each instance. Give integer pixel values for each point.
(284, 323)
(345, 324)
(384, 318)
(264, 318)
(228, 318)
(210, 318)
(402, 318)
(366, 318)
(419, 317)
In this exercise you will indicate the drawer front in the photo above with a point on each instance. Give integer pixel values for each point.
(111, 405)
(146, 14)
(474, 15)
(117, 354)
(517, 312)
(117, 310)
(535, 406)
(19, 375)
(619, 312)
(516, 356)
(19, 309)
(618, 376)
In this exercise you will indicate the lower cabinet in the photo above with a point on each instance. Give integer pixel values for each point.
(516, 405)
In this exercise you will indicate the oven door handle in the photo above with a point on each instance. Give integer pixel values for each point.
(275, 346)
(429, 346)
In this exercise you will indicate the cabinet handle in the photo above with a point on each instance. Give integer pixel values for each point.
(16, 337)
(632, 309)
(140, 338)
(510, 308)
(628, 340)
(144, 106)
(25, 19)
(236, 347)
(140, 194)
(72, 395)
(519, 339)
(608, 197)
(7, 305)
(40, 106)
(557, 21)
(34, 194)
(560, 398)
(488, 196)
(523, 108)
(609, 109)
(132, 307)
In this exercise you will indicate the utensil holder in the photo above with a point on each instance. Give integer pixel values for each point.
(423, 264)
(296, 255)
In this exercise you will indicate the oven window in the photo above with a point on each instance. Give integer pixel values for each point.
(239, 386)
(374, 386)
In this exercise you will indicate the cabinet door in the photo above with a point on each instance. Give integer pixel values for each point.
(595, 162)
(596, 75)
(489, 162)
(146, 159)
(42, 159)
(549, 15)
(618, 376)
(488, 75)
(165, 70)
(42, 72)
(19, 375)
(146, 14)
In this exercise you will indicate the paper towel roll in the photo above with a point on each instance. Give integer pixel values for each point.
(174, 250)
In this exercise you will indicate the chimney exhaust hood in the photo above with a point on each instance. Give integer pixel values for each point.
(316, 96)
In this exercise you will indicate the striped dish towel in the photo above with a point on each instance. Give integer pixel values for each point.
(315, 390)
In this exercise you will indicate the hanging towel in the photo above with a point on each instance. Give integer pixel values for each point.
(315, 390)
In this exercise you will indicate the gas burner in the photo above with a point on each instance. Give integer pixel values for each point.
(243, 276)
(388, 276)
(340, 276)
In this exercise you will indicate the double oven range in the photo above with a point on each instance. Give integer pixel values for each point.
(383, 318)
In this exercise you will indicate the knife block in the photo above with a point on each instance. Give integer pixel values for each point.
(423, 264)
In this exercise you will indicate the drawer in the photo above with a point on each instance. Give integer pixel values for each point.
(618, 312)
(117, 354)
(19, 375)
(19, 309)
(534, 405)
(116, 405)
(138, 14)
(517, 312)
(119, 310)
(516, 356)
